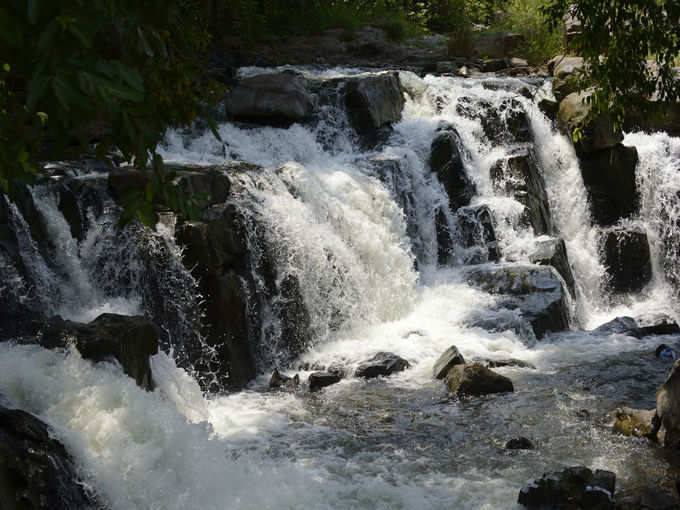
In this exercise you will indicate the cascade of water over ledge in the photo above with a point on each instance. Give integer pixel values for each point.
(377, 261)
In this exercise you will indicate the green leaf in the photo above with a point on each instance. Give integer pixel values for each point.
(6, 67)
(144, 43)
(125, 93)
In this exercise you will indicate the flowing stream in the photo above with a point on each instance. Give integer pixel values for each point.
(364, 251)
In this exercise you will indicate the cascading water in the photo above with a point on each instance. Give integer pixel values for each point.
(357, 230)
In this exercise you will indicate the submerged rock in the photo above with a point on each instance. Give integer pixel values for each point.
(668, 407)
(374, 101)
(520, 443)
(627, 257)
(278, 381)
(535, 291)
(448, 359)
(36, 471)
(574, 488)
(270, 99)
(130, 340)
(476, 228)
(382, 364)
(500, 363)
(475, 379)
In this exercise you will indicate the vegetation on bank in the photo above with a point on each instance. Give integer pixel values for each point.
(120, 72)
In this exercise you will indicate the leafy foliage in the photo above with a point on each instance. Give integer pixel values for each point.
(116, 71)
(629, 47)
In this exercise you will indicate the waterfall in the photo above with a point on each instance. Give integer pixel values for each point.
(345, 239)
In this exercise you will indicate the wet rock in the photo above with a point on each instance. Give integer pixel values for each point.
(549, 107)
(476, 228)
(500, 363)
(279, 381)
(634, 422)
(507, 124)
(374, 102)
(445, 243)
(475, 380)
(535, 291)
(270, 99)
(130, 340)
(597, 136)
(36, 471)
(448, 359)
(447, 162)
(628, 260)
(668, 407)
(216, 251)
(609, 178)
(290, 308)
(576, 488)
(553, 252)
(564, 72)
(520, 176)
(644, 325)
(520, 443)
(382, 364)
(319, 380)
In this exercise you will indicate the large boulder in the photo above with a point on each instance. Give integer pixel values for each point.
(564, 72)
(130, 340)
(553, 252)
(447, 162)
(609, 178)
(668, 407)
(574, 488)
(374, 101)
(598, 135)
(449, 358)
(475, 380)
(270, 99)
(520, 176)
(535, 291)
(36, 471)
(382, 364)
(641, 326)
(477, 233)
(319, 380)
(626, 255)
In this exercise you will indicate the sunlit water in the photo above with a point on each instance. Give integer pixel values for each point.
(400, 442)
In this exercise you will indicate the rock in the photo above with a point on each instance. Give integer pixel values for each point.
(506, 124)
(549, 107)
(216, 249)
(447, 162)
(374, 102)
(496, 44)
(634, 422)
(520, 176)
(644, 325)
(665, 352)
(448, 359)
(445, 243)
(494, 64)
(668, 407)
(553, 252)
(463, 72)
(598, 135)
(270, 99)
(500, 363)
(564, 71)
(130, 340)
(520, 443)
(609, 178)
(475, 379)
(476, 229)
(535, 291)
(382, 364)
(628, 260)
(278, 381)
(319, 380)
(446, 67)
(36, 471)
(656, 116)
(573, 488)
(518, 62)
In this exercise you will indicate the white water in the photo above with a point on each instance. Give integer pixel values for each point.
(393, 443)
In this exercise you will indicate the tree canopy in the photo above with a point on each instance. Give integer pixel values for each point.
(629, 49)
